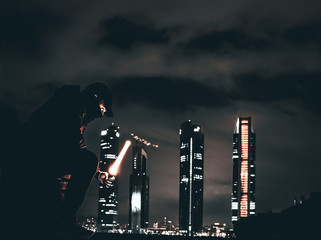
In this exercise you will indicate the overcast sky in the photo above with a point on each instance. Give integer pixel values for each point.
(170, 61)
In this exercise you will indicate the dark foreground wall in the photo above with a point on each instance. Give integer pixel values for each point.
(299, 222)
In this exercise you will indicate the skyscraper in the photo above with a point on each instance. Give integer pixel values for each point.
(243, 190)
(108, 197)
(191, 178)
(139, 191)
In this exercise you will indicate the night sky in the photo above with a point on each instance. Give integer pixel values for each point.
(170, 61)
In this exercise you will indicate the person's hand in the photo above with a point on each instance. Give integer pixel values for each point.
(105, 179)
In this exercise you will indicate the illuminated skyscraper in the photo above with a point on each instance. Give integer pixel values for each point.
(139, 191)
(243, 191)
(191, 178)
(108, 197)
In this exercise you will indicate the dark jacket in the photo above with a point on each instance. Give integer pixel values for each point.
(60, 122)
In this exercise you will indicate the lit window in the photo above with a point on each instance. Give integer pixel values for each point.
(183, 158)
(185, 180)
(197, 129)
(184, 145)
(234, 206)
(198, 177)
(104, 132)
(111, 156)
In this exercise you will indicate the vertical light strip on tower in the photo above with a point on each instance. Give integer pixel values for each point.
(244, 168)
(190, 186)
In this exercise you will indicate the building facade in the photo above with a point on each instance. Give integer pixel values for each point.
(139, 191)
(191, 178)
(243, 190)
(108, 197)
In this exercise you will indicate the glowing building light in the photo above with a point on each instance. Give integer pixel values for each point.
(136, 202)
(243, 207)
(243, 200)
(244, 169)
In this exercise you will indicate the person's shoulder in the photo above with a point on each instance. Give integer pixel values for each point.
(68, 89)
(68, 95)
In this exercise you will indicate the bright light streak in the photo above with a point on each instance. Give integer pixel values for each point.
(113, 170)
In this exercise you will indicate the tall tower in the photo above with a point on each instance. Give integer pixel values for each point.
(139, 191)
(108, 197)
(243, 190)
(191, 178)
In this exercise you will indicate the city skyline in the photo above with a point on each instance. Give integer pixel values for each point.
(167, 62)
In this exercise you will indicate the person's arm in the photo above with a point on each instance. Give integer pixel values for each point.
(71, 137)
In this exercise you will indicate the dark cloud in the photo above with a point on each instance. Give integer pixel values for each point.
(304, 34)
(122, 33)
(178, 95)
(169, 94)
(226, 41)
(263, 36)
(297, 86)
(24, 26)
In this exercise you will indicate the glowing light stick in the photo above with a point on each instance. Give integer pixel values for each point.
(113, 169)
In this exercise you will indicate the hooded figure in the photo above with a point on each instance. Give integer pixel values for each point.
(56, 150)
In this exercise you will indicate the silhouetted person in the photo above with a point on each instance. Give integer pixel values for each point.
(54, 150)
